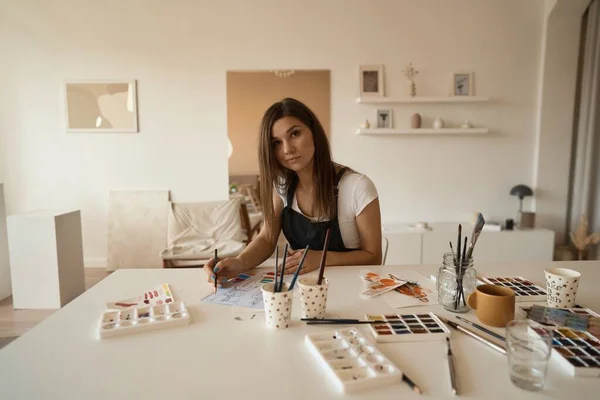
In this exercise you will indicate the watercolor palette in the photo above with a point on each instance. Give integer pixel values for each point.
(525, 290)
(408, 328)
(351, 361)
(577, 351)
(142, 319)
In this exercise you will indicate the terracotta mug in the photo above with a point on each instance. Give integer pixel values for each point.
(493, 305)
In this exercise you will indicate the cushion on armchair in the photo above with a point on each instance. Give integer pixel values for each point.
(195, 230)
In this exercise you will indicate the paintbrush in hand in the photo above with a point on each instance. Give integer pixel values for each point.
(324, 257)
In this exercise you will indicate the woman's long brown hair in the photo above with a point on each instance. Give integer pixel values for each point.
(274, 175)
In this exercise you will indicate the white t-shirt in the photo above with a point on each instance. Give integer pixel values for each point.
(355, 192)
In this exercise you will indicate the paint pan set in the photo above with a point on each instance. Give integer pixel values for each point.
(351, 361)
(407, 327)
(143, 319)
(525, 290)
(577, 351)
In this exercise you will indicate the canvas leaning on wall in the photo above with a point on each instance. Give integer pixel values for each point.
(101, 106)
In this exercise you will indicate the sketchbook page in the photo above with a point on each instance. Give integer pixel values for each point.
(160, 294)
(245, 293)
(418, 291)
(377, 284)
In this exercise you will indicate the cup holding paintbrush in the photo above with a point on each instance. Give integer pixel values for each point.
(278, 305)
(313, 290)
(313, 297)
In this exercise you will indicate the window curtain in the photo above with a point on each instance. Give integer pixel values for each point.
(584, 196)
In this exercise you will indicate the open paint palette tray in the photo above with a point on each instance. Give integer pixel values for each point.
(408, 327)
(525, 290)
(351, 361)
(577, 351)
(142, 319)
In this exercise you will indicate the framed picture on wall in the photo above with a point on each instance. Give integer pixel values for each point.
(370, 79)
(101, 106)
(384, 119)
(463, 84)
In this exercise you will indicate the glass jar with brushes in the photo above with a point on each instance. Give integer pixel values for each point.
(456, 280)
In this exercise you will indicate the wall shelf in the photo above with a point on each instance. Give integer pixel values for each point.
(423, 131)
(408, 100)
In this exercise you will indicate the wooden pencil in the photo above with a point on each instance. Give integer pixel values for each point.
(324, 257)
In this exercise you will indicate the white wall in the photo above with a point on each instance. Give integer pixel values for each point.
(179, 51)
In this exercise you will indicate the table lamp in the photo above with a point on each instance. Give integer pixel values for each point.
(522, 191)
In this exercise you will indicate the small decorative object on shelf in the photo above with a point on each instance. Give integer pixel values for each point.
(415, 121)
(410, 72)
(438, 123)
(366, 124)
(466, 125)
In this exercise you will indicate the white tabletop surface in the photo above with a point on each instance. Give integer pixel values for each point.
(219, 357)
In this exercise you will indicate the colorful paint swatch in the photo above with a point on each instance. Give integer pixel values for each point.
(525, 290)
(268, 277)
(407, 327)
(558, 317)
(593, 318)
(577, 351)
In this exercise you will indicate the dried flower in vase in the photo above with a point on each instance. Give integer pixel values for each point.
(581, 240)
(410, 72)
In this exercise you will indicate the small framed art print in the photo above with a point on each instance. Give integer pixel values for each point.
(371, 80)
(384, 119)
(463, 84)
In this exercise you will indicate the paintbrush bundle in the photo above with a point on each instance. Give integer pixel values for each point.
(143, 319)
(351, 361)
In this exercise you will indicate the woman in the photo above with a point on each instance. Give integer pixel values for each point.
(304, 193)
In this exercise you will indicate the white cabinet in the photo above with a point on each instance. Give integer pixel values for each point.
(5, 289)
(46, 258)
(503, 246)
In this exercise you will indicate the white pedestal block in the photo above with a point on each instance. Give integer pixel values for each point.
(5, 288)
(46, 258)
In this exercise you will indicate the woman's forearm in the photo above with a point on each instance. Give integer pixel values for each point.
(354, 257)
(256, 252)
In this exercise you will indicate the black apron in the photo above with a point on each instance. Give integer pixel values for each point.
(300, 231)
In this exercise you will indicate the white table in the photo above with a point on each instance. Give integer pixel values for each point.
(218, 357)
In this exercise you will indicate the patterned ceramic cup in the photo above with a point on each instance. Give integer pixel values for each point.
(278, 306)
(313, 297)
(561, 287)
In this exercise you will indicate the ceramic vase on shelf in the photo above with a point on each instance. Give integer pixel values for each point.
(412, 89)
(415, 121)
(366, 124)
(438, 123)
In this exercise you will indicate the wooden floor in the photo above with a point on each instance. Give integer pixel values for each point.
(14, 323)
